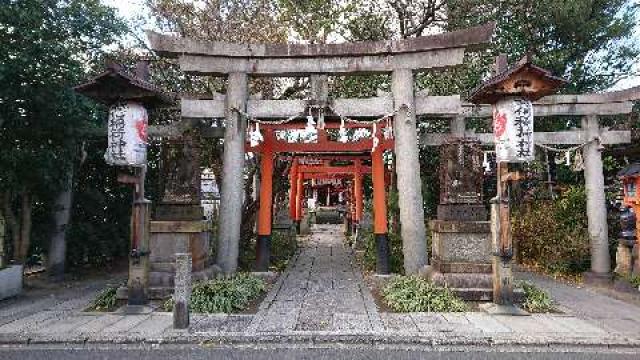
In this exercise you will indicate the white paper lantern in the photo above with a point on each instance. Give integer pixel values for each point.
(513, 130)
(127, 135)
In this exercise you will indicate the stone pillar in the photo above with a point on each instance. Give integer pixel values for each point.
(457, 126)
(263, 242)
(414, 242)
(319, 84)
(232, 190)
(596, 205)
(182, 292)
(380, 212)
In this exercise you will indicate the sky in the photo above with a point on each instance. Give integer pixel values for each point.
(134, 8)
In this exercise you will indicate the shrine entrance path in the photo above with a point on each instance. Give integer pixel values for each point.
(321, 290)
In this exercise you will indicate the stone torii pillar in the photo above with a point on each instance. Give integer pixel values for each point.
(596, 204)
(414, 242)
(232, 190)
(263, 241)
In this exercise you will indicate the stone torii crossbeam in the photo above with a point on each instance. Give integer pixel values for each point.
(399, 58)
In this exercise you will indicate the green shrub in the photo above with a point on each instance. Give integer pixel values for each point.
(226, 295)
(635, 280)
(415, 294)
(553, 234)
(283, 247)
(536, 300)
(168, 304)
(105, 301)
(396, 257)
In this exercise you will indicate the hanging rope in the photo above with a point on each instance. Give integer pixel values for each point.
(569, 149)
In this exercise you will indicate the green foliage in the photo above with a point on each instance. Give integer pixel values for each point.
(226, 295)
(105, 301)
(283, 247)
(415, 294)
(316, 20)
(536, 300)
(593, 55)
(396, 257)
(553, 234)
(168, 304)
(46, 48)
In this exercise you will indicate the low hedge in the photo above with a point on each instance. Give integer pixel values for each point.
(416, 294)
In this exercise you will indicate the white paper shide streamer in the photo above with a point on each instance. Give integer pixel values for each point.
(127, 135)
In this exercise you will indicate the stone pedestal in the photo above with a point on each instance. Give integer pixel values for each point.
(169, 238)
(462, 258)
(624, 259)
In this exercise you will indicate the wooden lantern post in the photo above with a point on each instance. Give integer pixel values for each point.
(511, 93)
(129, 96)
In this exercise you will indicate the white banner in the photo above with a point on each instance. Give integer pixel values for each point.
(513, 130)
(127, 134)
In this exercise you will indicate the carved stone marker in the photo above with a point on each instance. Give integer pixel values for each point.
(182, 292)
(461, 236)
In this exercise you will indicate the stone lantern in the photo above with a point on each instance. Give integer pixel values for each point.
(628, 254)
(128, 98)
(511, 93)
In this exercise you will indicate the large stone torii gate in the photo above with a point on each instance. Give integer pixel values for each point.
(401, 59)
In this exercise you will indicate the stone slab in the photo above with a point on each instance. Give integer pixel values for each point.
(486, 323)
(125, 325)
(398, 322)
(153, 326)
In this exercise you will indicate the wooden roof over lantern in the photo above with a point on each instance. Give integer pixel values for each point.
(524, 79)
(115, 85)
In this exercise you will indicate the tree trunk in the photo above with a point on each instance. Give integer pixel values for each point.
(12, 222)
(58, 242)
(25, 227)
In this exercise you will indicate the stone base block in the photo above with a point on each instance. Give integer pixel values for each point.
(10, 281)
(171, 237)
(598, 279)
(469, 286)
(461, 241)
(624, 260)
(461, 267)
(462, 212)
(472, 281)
(163, 283)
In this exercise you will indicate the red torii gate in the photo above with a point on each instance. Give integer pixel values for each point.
(322, 149)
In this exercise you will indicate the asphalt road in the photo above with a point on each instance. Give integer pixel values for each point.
(301, 352)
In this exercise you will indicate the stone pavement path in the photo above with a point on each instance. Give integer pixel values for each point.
(321, 290)
(610, 314)
(322, 296)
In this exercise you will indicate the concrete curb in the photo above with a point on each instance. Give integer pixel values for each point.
(434, 339)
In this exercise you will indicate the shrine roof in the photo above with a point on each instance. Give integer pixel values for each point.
(631, 170)
(172, 46)
(115, 84)
(521, 79)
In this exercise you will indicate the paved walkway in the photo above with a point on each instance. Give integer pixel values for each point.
(607, 313)
(322, 290)
(322, 297)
